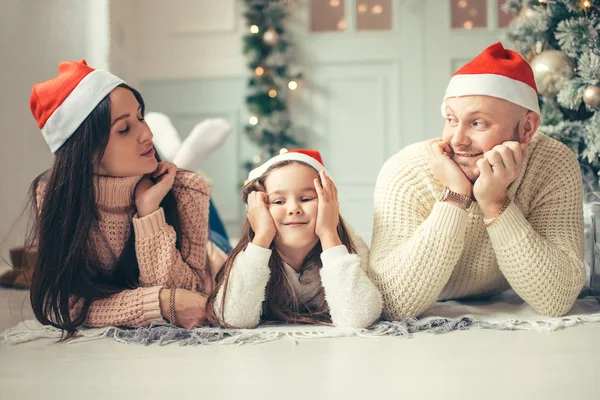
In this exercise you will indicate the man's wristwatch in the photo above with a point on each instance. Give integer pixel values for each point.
(460, 200)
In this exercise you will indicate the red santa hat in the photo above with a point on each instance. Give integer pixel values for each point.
(496, 72)
(310, 157)
(61, 104)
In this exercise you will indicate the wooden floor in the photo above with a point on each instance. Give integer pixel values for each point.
(460, 365)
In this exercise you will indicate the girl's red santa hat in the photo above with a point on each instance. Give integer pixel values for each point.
(310, 157)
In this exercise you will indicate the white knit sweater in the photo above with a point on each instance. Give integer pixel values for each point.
(423, 250)
(353, 299)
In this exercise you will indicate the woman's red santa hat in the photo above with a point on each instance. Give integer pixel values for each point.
(496, 72)
(61, 104)
(310, 157)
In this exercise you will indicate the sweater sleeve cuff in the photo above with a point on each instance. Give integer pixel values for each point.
(257, 253)
(330, 255)
(151, 305)
(149, 225)
(509, 226)
(448, 219)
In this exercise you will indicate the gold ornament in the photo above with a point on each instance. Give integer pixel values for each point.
(271, 37)
(591, 96)
(551, 69)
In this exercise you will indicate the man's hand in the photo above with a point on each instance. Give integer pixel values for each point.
(445, 170)
(498, 168)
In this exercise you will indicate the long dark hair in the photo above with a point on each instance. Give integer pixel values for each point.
(67, 267)
(281, 303)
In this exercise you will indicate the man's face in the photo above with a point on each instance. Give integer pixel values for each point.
(475, 124)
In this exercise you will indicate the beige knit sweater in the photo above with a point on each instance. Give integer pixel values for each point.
(160, 263)
(423, 250)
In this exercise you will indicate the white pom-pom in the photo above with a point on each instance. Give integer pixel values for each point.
(204, 138)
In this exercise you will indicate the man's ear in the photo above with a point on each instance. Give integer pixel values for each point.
(530, 124)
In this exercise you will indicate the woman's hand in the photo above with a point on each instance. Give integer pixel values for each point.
(190, 307)
(153, 188)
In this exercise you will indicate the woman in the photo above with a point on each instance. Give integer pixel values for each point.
(122, 237)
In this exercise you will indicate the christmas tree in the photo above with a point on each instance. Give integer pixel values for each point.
(268, 49)
(560, 40)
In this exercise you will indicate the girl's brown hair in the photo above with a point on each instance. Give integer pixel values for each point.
(281, 303)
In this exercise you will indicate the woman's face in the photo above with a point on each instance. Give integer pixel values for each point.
(129, 151)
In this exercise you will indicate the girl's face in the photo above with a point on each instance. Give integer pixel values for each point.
(130, 151)
(293, 205)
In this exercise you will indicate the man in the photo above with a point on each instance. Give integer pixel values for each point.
(488, 206)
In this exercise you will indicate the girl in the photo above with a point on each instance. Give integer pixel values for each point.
(121, 236)
(297, 260)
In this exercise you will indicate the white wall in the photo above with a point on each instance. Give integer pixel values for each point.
(35, 35)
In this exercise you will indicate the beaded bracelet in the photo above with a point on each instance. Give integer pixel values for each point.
(490, 222)
(172, 305)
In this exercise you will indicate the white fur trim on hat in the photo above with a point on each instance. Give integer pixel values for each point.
(77, 106)
(493, 85)
(289, 156)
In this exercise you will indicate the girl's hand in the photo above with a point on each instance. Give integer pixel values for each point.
(153, 188)
(260, 219)
(328, 212)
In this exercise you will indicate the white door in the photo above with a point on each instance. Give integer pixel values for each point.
(362, 60)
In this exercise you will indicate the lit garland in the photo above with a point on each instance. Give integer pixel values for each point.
(268, 48)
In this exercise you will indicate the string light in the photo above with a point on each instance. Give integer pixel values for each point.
(362, 8)
(341, 25)
(377, 9)
(293, 85)
(334, 3)
(462, 4)
(468, 25)
(253, 120)
(259, 71)
(473, 12)
(256, 159)
(587, 4)
(254, 29)
(543, 1)
(272, 93)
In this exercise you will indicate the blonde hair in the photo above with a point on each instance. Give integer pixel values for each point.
(281, 303)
